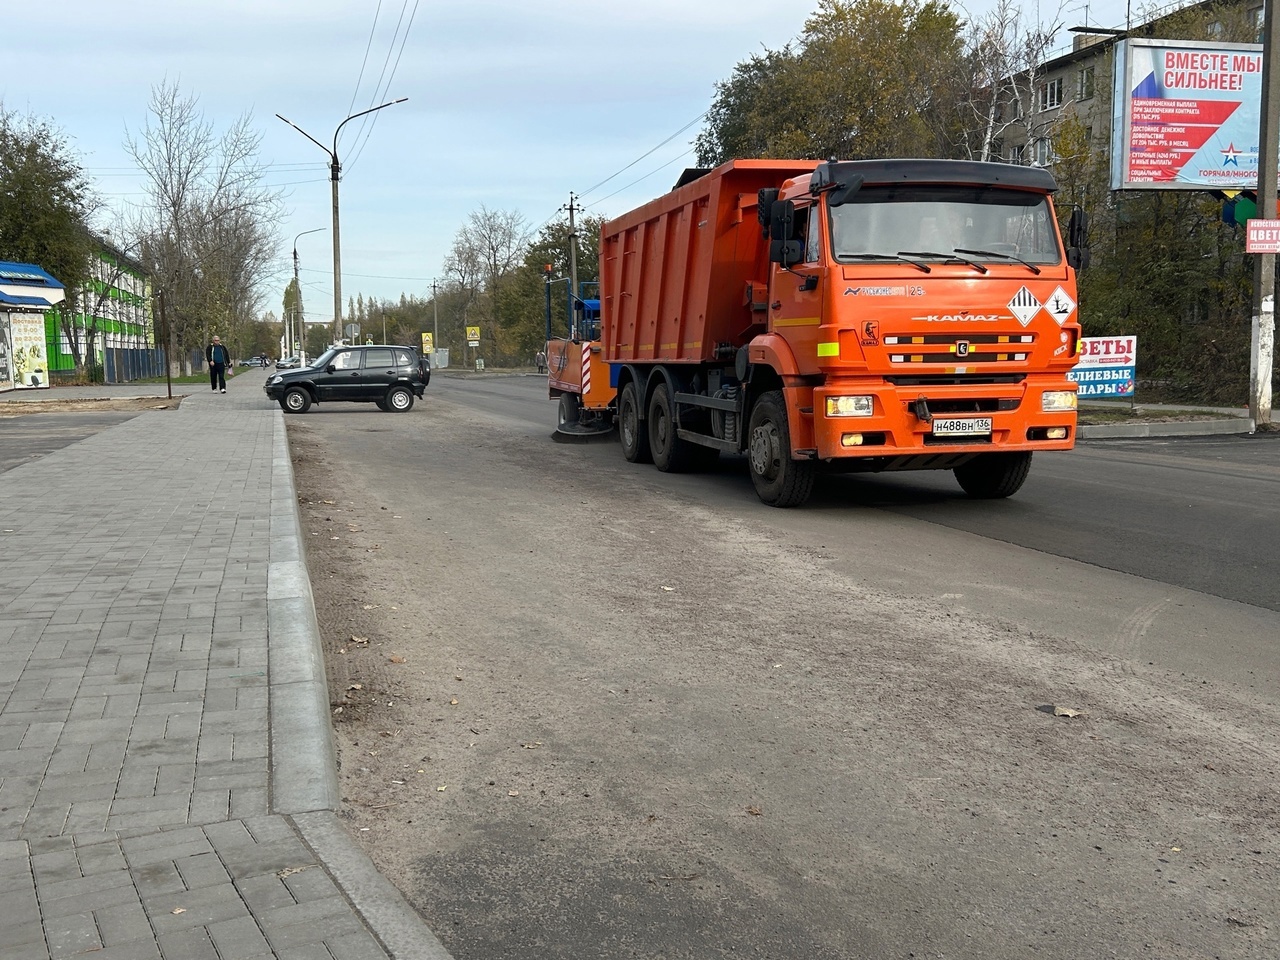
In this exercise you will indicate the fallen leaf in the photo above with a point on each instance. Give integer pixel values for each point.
(178, 910)
(356, 686)
(513, 793)
(439, 789)
(1065, 712)
(396, 658)
(454, 701)
(532, 746)
(359, 639)
(669, 589)
(337, 710)
(367, 606)
(755, 811)
(1176, 849)
(329, 501)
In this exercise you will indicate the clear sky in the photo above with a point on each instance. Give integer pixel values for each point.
(512, 104)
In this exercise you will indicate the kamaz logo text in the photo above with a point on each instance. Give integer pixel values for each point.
(960, 318)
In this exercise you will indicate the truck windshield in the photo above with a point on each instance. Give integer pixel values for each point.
(987, 223)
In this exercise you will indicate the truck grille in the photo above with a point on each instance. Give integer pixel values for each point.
(952, 350)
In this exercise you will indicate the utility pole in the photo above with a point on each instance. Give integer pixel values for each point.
(299, 321)
(1262, 352)
(335, 168)
(435, 317)
(573, 269)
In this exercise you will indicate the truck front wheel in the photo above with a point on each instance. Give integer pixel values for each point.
(635, 439)
(779, 480)
(993, 476)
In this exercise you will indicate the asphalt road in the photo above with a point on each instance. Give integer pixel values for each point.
(594, 710)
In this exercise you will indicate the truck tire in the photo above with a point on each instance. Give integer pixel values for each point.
(570, 408)
(779, 480)
(670, 453)
(993, 476)
(631, 430)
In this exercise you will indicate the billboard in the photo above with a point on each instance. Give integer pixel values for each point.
(1106, 367)
(1186, 116)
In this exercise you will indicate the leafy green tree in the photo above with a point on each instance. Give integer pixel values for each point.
(866, 78)
(45, 200)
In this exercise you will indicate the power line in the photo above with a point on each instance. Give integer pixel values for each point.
(367, 47)
(645, 177)
(647, 153)
(396, 66)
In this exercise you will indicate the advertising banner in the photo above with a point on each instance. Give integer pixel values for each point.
(1106, 367)
(1187, 115)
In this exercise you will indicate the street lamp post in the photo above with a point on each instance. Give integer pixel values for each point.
(296, 328)
(334, 169)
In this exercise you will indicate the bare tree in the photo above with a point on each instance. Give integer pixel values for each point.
(1005, 55)
(207, 230)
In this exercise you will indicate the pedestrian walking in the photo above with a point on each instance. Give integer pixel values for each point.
(540, 359)
(218, 358)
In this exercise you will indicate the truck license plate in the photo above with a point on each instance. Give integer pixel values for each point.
(961, 426)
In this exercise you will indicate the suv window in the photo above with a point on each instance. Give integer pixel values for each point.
(379, 357)
(346, 360)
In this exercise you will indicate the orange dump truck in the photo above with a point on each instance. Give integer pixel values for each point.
(849, 316)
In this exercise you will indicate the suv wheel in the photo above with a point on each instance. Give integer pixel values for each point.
(296, 400)
(399, 399)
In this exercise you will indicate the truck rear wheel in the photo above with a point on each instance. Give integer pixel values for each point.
(993, 476)
(570, 408)
(635, 438)
(779, 480)
(670, 453)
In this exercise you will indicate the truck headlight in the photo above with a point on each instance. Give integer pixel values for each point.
(850, 406)
(1055, 401)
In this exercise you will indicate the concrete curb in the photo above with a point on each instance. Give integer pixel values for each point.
(393, 921)
(1175, 428)
(304, 774)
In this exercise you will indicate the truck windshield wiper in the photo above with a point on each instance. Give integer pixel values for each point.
(885, 256)
(1004, 256)
(944, 256)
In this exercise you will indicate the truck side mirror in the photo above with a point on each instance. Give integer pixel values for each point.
(1077, 250)
(764, 206)
(1076, 228)
(845, 191)
(784, 243)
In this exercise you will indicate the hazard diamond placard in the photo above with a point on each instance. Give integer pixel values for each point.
(1024, 306)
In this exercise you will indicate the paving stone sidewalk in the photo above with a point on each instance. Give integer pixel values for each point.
(167, 780)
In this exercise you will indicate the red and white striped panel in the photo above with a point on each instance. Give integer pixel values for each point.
(586, 369)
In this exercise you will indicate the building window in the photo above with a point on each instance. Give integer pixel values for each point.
(1018, 153)
(1051, 94)
(1044, 152)
(1257, 15)
(1085, 89)
(1214, 29)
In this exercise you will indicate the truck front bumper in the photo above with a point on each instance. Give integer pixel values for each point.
(931, 420)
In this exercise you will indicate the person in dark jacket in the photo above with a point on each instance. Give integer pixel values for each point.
(218, 358)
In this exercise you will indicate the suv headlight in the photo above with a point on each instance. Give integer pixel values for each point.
(276, 379)
(850, 406)
(1055, 401)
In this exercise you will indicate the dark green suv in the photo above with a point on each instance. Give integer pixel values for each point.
(389, 376)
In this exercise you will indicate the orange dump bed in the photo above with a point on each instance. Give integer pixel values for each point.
(675, 274)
